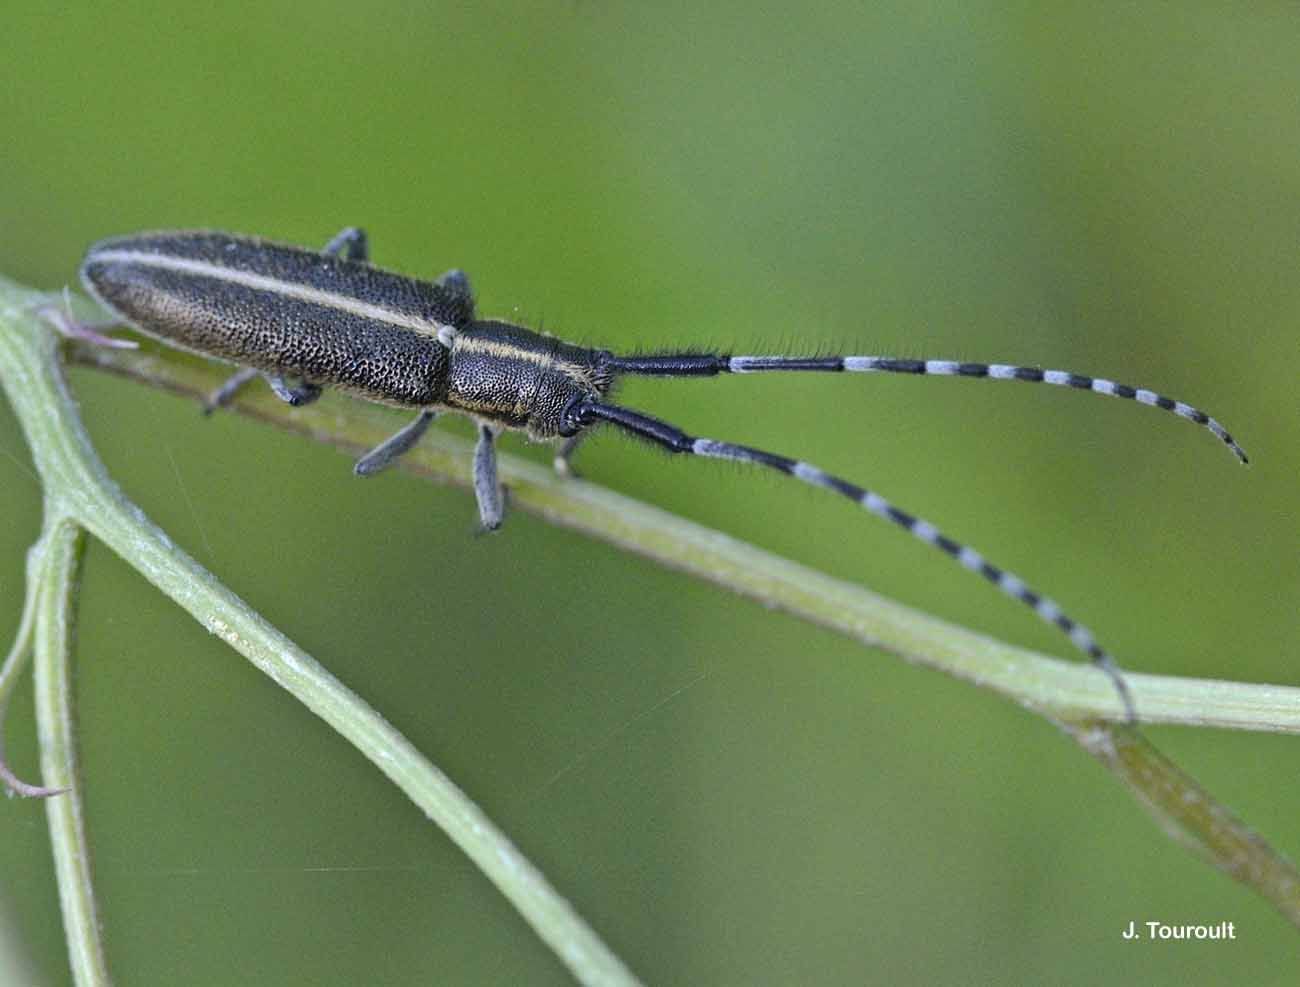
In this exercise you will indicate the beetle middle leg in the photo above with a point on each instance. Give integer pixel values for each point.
(384, 454)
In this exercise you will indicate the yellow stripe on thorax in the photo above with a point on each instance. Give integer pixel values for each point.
(499, 349)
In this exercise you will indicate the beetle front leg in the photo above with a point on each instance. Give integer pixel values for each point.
(563, 461)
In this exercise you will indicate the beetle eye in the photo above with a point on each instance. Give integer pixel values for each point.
(571, 418)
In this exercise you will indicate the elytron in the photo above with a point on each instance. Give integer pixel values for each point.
(305, 319)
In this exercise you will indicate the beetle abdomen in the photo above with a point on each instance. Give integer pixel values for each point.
(280, 309)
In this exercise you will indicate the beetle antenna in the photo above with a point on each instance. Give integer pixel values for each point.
(710, 364)
(675, 440)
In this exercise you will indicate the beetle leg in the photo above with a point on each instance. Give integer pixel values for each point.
(456, 284)
(384, 454)
(487, 488)
(563, 461)
(224, 394)
(351, 242)
(304, 392)
(62, 319)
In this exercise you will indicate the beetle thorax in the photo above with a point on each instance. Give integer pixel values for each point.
(518, 378)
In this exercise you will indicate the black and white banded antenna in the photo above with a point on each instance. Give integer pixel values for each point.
(707, 365)
(700, 365)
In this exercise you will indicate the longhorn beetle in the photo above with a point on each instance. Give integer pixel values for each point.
(302, 319)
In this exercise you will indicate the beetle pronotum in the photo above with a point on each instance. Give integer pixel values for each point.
(303, 319)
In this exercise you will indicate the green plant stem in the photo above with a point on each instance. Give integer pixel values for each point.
(59, 563)
(78, 488)
(1190, 814)
(1067, 691)
(1071, 694)
(14, 664)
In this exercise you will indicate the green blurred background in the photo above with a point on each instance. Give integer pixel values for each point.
(729, 796)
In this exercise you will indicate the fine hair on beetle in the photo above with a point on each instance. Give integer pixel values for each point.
(304, 319)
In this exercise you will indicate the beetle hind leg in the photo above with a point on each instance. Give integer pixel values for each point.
(303, 392)
(224, 394)
(70, 327)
